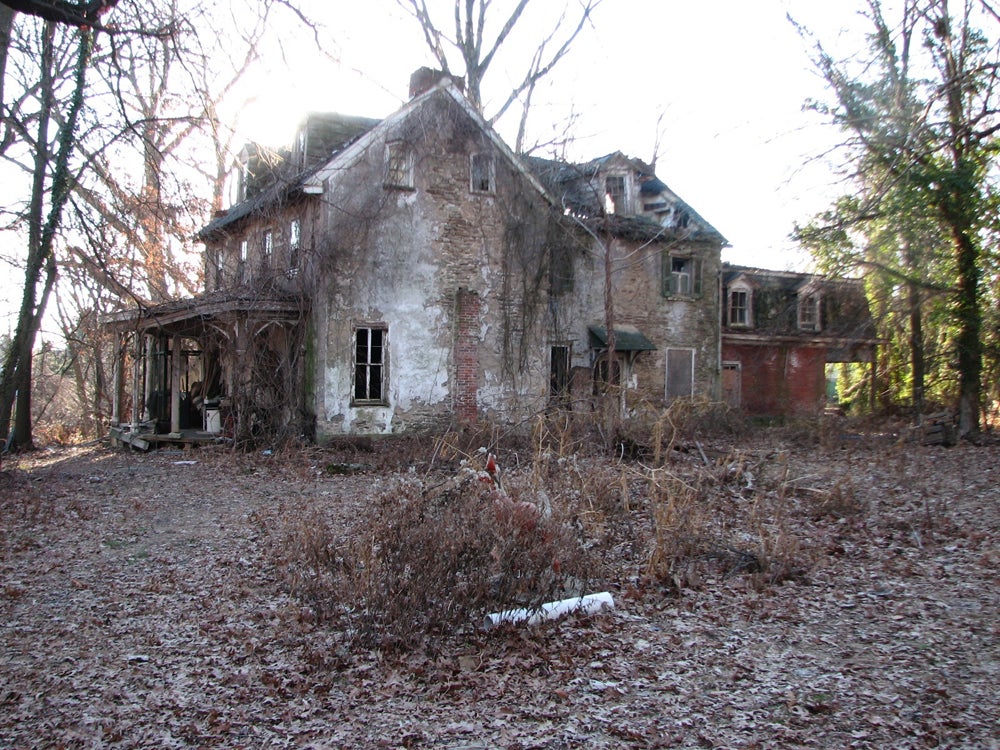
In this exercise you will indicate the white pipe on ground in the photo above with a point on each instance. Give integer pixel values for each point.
(590, 604)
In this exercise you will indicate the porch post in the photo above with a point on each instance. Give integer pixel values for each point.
(175, 384)
(136, 381)
(116, 377)
(149, 361)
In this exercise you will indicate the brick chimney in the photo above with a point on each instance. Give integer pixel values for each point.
(424, 79)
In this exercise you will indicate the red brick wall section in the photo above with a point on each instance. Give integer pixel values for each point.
(467, 356)
(779, 380)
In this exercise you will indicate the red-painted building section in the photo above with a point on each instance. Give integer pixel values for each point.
(779, 331)
(779, 379)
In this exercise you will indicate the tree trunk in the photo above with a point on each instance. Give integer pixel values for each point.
(15, 377)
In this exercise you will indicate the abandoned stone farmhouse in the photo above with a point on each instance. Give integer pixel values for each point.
(414, 273)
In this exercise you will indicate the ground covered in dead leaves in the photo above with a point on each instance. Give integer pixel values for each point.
(140, 606)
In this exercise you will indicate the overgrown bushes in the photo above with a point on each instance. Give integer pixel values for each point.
(433, 551)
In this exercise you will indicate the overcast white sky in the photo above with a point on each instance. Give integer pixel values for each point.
(729, 76)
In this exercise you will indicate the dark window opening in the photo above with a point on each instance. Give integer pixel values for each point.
(559, 376)
(481, 172)
(369, 364)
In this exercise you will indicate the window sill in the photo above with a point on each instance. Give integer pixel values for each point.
(362, 403)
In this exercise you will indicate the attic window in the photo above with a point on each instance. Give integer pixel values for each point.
(739, 308)
(809, 312)
(614, 194)
(682, 276)
(398, 165)
(482, 173)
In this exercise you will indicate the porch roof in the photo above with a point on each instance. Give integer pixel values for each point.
(190, 315)
(627, 339)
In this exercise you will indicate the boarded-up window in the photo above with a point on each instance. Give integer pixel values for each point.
(369, 364)
(680, 373)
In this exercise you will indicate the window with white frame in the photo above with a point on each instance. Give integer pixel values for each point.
(398, 165)
(682, 276)
(482, 173)
(739, 311)
(809, 307)
(680, 373)
(369, 364)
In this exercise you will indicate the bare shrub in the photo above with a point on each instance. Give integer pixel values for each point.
(429, 558)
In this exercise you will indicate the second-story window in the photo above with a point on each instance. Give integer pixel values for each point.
(809, 312)
(268, 248)
(682, 276)
(294, 243)
(482, 173)
(241, 268)
(739, 308)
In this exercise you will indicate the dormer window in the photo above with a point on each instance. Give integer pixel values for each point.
(739, 308)
(398, 165)
(482, 173)
(809, 307)
(615, 194)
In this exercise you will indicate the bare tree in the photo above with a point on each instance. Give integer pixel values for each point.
(478, 52)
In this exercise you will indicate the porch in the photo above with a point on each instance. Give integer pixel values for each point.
(215, 368)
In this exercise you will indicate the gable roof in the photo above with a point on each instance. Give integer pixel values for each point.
(346, 138)
(445, 87)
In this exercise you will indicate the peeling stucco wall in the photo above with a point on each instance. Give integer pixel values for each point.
(398, 257)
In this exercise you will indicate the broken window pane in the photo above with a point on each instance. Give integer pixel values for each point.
(683, 276)
(369, 364)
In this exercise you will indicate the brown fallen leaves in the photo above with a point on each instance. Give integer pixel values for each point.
(141, 606)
